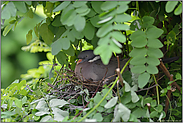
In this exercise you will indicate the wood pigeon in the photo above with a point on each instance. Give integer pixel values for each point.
(90, 67)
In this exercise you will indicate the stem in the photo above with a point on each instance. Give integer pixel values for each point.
(157, 91)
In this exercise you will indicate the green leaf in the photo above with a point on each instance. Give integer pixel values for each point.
(61, 43)
(159, 108)
(152, 69)
(62, 58)
(135, 97)
(147, 21)
(8, 11)
(107, 5)
(170, 5)
(62, 6)
(20, 6)
(118, 36)
(46, 34)
(138, 60)
(154, 32)
(178, 76)
(68, 17)
(122, 8)
(79, 23)
(89, 31)
(30, 13)
(153, 103)
(139, 112)
(122, 18)
(7, 29)
(96, 6)
(57, 102)
(82, 9)
(94, 21)
(139, 42)
(111, 102)
(120, 27)
(154, 43)
(152, 60)
(126, 98)
(98, 117)
(18, 103)
(154, 52)
(143, 79)
(28, 2)
(56, 22)
(104, 52)
(70, 51)
(123, 112)
(104, 30)
(154, 114)
(104, 40)
(138, 51)
(29, 37)
(138, 69)
(24, 100)
(77, 4)
(136, 34)
(178, 10)
(171, 37)
(97, 98)
(76, 34)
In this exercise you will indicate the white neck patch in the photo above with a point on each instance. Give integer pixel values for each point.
(94, 59)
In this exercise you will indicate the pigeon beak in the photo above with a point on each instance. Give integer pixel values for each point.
(79, 61)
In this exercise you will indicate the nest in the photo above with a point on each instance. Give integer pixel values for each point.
(68, 86)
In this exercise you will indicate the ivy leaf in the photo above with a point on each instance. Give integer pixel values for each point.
(79, 23)
(29, 37)
(143, 79)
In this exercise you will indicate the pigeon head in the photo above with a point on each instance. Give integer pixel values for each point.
(87, 56)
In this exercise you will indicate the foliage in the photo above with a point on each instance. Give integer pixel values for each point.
(134, 29)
